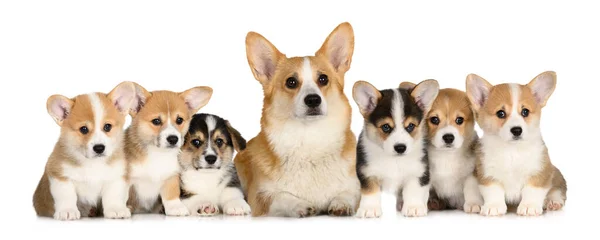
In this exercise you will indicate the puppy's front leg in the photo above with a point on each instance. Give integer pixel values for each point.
(233, 203)
(415, 198)
(114, 199)
(287, 205)
(494, 203)
(370, 200)
(65, 199)
(473, 199)
(532, 200)
(170, 198)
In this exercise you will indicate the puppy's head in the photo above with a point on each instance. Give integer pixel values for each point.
(394, 117)
(210, 143)
(450, 120)
(302, 88)
(162, 118)
(92, 124)
(509, 110)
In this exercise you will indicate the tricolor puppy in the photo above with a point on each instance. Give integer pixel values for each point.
(209, 181)
(513, 164)
(451, 138)
(85, 174)
(391, 150)
(302, 162)
(153, 141)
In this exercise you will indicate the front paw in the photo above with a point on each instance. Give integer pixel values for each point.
(372, 211)
(436, 204)
(67, 214)
(493, 209)
(117, 213)
(529, 210)
(178, 210)
(303, 210)
(208, 209)
(237, 208)
(414, 210)
(472, 208)
(339, 208)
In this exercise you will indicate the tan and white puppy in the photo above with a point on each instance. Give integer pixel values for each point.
(513, 165)
(85, 174)
(302, 162)
(153, 141)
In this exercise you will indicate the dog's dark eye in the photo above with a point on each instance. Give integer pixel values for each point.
(219, 142)
(179, 121)
(291, 83)
(459, 120)
(410, 127)
(386, 128)
(84, 130)
(525, 112)
(196, 142)
(156, 121)
(107, 127)
(501, 114)
(323, 79)
(435, 120)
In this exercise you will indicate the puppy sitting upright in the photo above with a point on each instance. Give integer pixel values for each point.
(85, 174)
(513, 164)
(153, 141)
(209, 181)
(451, 139)
(302, 161)
(391, 151)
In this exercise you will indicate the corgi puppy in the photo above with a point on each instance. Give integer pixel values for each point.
(451, 138)
(391, 151)
(302, 163)
(152, 146)
(85, 174)
(513, 164)
(209, 181)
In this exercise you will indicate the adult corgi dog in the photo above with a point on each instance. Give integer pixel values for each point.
(451, 138)
(85, 174)
(152, 146)
(513, 163)
(209, 181)
(391, 150)
(302, 162)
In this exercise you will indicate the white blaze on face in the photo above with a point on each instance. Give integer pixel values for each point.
(167, 131)
(309, 86)
(211, 125)
(515, 119)
(399, 135)
(99, 136)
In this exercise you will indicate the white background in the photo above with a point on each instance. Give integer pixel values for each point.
(74, 47)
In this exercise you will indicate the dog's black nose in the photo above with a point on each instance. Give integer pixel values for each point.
(400, 148)
(516, 131)
(172, 139)
(210, 159)
(312, 100)
(448, 138)
(99, 148)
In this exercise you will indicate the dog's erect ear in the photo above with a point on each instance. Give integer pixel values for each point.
(425, 93)
(262, 57)
(139, 100)
(339, 47)
(239, 143)
(407, 85)
(366, 97)
(542, 87)
(59, 107)
(196, 97)
(478, 90)
(122, 96)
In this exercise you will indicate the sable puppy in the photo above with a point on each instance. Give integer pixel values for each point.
(391, 151)
(302, 162)
(85, 174)
(153, 141)
(209, 181)
(513, 164)
(451, 139)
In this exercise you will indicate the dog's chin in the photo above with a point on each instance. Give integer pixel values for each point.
(208, 169)
(311, 115)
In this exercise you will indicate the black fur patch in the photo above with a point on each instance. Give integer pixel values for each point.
(411, 109)
(361, 161)
(425, 178)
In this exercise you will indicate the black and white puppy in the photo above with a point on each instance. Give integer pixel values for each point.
(209, 180)
(391, 150)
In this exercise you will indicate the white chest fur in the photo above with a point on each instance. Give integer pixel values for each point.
(148, 176)
(512, 164)
(90, 177)
(449, 170)
(207, 186)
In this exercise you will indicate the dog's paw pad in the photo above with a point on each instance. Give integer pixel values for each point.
(208, 209)
(554, 205)
(436, 204)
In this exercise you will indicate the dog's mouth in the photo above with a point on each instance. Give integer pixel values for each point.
(209, 168)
